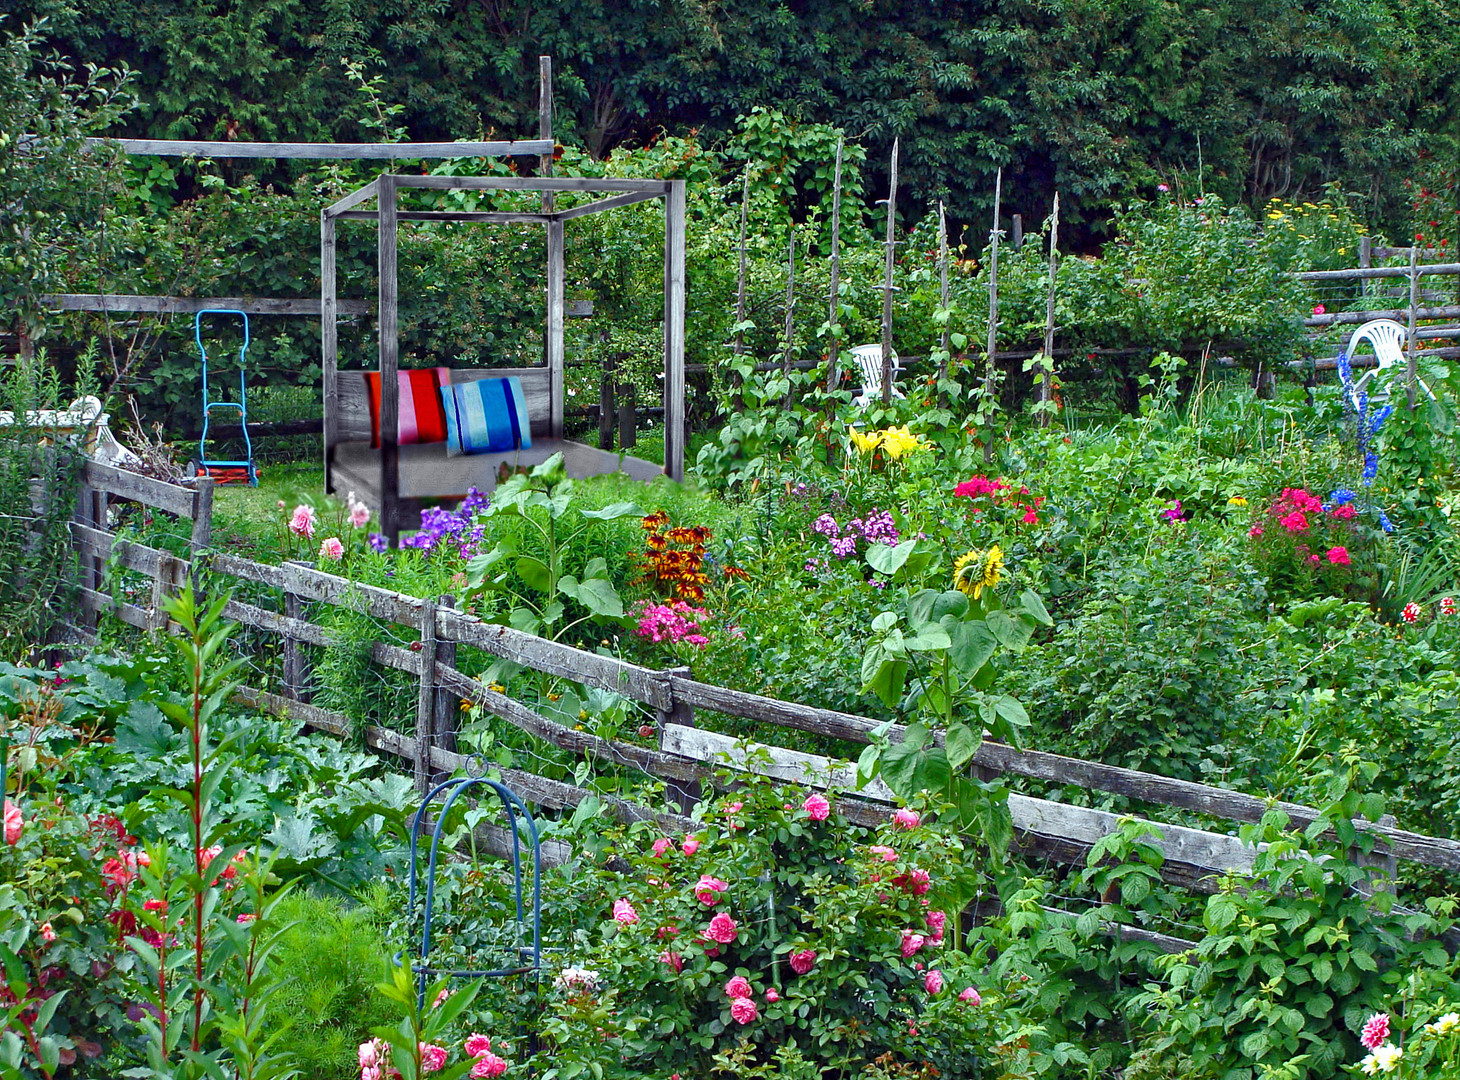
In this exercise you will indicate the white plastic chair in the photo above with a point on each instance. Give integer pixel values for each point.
(1387, 338)
(869, 358)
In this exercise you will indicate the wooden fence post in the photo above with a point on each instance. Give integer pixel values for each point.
(1411, 373)
(446, 716)
(628, 422)
(296, 671)
(607, 407)
(685, 793)
(426, 695)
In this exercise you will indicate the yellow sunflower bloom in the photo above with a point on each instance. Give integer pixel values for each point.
(978, 570)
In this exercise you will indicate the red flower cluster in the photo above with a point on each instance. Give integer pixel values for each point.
(1001, 494)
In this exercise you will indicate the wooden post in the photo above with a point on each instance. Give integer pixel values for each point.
(446, 724)
(1411, 372)
(628, 422)
(790, 316)
(675, 432)
(202, 532)
(606, 410)
(329, 340)
(992, 354)
(1046, 389)
(944, 340)
(545, 122)
(834, 303)
(389, 333)
(426, 696)
(1016, 236)
(296, 664)
(890, 258)
(737, 345)
(685, 794)
(556, 273)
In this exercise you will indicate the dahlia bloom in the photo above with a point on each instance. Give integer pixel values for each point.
(301, 522)
(332, 549)
(1375, 1031)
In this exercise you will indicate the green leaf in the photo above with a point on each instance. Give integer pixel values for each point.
(971, 645)
(615, 510)
(930, 637)
(1034, 607)
(533, 572)
(596, 594)
(963, 743)
(1012, 633)
(1011, 711)
(887, 680)
(889, 560)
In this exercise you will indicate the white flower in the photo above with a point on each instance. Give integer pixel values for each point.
(576, 979)
(1444, 1025)
(1385, 1058)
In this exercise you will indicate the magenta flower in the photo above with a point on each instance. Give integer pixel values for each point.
(624, 912)
(916, 881)
(817, 807)
(690, 845)
(14, 824)
(1319, 309)
(743, 1010)
(970, 995)
(477, 1045)
(887, 854)
(904, 818)
(488, 1065)
(722, 928)
(433, 1058)
(1295, 522)
(673, 960)
(1255, 531)
(738, 987)
(911, 943)
(662, 845)
(936, 921)
(771, 996)
(1376, 1030)
(803, 961)
(1338, 556)
(332, 549)
(933, 981)
(301, 522)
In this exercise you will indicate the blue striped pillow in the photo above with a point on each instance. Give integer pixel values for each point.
(485, 416)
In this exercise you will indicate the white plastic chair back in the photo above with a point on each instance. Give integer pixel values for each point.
(1387, 338)
(869, 359)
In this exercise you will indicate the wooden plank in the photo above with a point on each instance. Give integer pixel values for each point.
(445, 706)
(317, 585)
(1203, 852)
(99, 603)
(1346, 318)
(545, 124)
(391, 656)
(531, 183)
(426, 696)
(1370, 272)
(174, 498)
(553, 658)
(582, 743)
(468, 217)
(306, 151)
(612, 203)
(553, 341)
(890, 259)
(389, 341)
(329, 340)
(202, 514)
(674, 329)
(187, 305)
(361, 194)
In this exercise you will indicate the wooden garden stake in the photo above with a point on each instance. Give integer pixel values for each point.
(790, 315)
(988, 378)
(1046, 389)
(833, 373)
(943, 287)
(426, 696)
(545, 122)
(1411, 371)
(891, 257)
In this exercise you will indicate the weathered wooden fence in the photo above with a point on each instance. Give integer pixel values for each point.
(686, 756)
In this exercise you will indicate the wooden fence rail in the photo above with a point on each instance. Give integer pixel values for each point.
(686, 755)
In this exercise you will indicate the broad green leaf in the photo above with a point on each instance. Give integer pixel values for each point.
(963, 743)
(1010, 710)
(972, 644)
(883, 621)
(615, 510)
(887, 681)
(1012, 633)
(889, 560)
(867, 764)
(930, 637)
(596, 594)
(1034, 607)
(533, 572)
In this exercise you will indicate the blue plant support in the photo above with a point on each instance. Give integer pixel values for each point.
(513, 806)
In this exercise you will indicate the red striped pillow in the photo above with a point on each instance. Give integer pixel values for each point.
(422, 418)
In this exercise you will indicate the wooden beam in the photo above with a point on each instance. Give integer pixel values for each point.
(187, 305)
(556, 286)
(325, 151)
(361, 194)
(612, 203)
(1368, 272)
(545, 124)
(389, 340)
(329, 340)
(530, 183)
(493, 217)
(1354, 318)
(674, 313)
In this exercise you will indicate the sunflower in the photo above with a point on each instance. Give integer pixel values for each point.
(978, 570)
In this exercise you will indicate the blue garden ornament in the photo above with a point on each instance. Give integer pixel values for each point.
(529, 957)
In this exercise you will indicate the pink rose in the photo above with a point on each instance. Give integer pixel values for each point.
(488, 1064)
(708, 890)
(738, 987)
(623, 912)
(302, 522)
(888, 855)
(936, 921)
(433, 1058)
(911, 943)
(771, 996)
(744, 1010)
(359, 514)
(916, 881)
(933, 981)
(14, 823)
(722, 928)
(904, 818)
(970, 995)
(803, 961)
(48, 933)
(673, 959)
(1376, 1030)
(1319, 309)
(370, 1053)
(817, 807)
(734, 808)
(332, 549)
(690, 845)
(661, 846)
(477, 1045)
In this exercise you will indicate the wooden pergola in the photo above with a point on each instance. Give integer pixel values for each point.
(385, 191)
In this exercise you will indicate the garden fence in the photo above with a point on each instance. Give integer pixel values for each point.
(420, 638)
